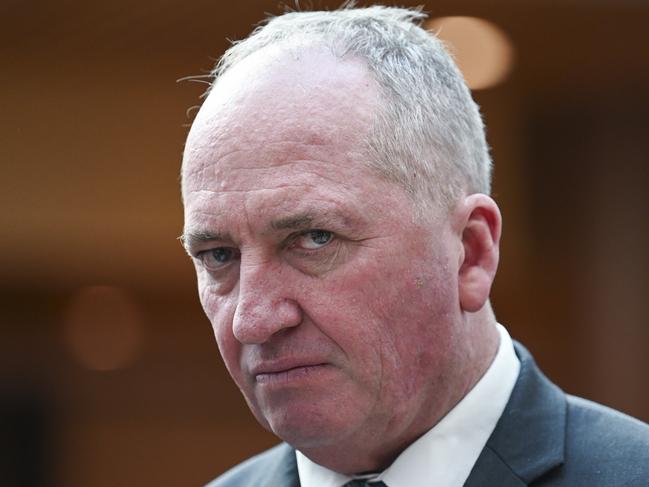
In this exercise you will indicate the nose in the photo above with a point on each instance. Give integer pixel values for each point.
(265, 306)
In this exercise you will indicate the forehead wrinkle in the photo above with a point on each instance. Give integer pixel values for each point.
(311, 140)
(197, 170)
(222, 175)
(216, 192)
(266, 167)
(316, 168)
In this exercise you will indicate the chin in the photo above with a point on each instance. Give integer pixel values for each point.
(307, 427)
(307, 437)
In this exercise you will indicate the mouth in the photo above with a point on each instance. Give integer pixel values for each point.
(290, 374)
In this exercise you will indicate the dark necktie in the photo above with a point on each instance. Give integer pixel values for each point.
(361, 483)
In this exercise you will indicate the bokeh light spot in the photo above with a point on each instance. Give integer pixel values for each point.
(103, 328)
(483, 52)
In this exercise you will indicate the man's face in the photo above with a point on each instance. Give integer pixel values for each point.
(332, 307)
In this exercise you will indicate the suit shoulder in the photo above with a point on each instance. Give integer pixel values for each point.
(604, 446)
(598, 423)
(255, 470)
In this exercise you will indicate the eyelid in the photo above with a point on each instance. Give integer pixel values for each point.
(235, 255)
(198, 248)
(293, 239)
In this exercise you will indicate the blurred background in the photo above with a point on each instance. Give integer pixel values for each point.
(109, 374)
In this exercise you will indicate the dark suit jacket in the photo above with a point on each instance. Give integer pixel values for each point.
(544, 438)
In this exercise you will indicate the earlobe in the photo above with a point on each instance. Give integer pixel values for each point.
(480, 233)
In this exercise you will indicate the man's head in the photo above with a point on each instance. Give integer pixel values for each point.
(351, 320)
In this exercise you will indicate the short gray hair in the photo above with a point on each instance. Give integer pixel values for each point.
(428, 135)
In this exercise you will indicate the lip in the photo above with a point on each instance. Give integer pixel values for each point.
(286, 371)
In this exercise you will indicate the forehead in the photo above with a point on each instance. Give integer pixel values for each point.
(276, 96)
(302, 179)
(280, 119)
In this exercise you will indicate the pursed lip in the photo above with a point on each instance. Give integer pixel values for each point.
(270, 370)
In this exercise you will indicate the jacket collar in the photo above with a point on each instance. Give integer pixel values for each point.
(282, 469)
(529, 437)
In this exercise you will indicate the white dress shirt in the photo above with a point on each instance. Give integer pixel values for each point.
(445, 455)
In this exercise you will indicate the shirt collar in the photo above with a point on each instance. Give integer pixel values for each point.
(445, 454)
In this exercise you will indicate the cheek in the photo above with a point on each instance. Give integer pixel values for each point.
(397, 292)
(400, 314)
(220, 311)
(217, 304)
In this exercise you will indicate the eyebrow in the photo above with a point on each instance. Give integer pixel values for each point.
(192, 240)
(311, 219)
(294, 222)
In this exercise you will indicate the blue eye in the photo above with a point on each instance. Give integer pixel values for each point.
(314, 239)
(215, 259)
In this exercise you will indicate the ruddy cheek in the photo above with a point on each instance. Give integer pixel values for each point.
(209, 301)
(220, 313)
(229, 347)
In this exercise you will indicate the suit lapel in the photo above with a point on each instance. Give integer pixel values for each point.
(491, 470)
(529, 438)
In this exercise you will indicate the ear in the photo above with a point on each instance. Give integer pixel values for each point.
(480, 223)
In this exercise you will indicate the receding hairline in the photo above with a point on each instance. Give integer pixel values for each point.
(369, 91)
(434, 132)
(413, 16)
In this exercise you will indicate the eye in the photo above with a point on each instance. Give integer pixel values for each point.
(313, 239)
(216, 259)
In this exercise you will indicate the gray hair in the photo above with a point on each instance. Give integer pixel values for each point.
(428, 135)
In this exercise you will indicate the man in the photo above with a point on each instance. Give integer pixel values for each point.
(336, 185)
